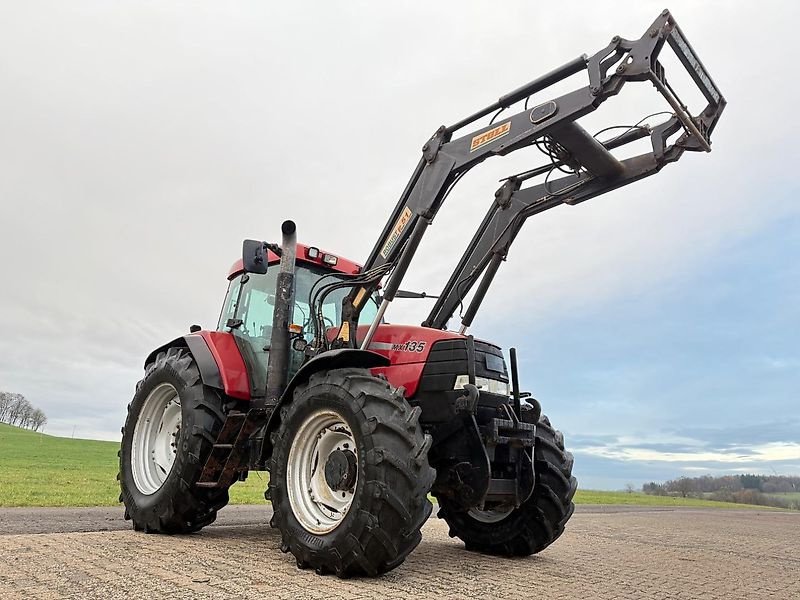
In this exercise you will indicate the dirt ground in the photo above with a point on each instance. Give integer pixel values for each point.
(607, 552)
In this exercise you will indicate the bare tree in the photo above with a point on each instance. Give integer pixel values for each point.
(685, 486)
(5, 405)
(26, 412)
(16, 410)
(19, 405)
(629, 487)
(38, 419)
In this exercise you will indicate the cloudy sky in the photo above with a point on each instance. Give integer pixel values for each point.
(141, 141)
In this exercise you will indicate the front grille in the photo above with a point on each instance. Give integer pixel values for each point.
(448, 359)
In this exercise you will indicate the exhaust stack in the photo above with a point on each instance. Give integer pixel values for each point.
(278, 367)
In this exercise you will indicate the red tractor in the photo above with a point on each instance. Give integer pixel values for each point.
(358, 421)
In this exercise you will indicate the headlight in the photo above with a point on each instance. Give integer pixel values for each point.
(493, 386)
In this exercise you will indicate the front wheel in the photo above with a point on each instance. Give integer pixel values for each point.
(538, 522)
(172, 423)
(349, 474)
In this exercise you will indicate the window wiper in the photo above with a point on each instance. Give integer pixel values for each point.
(407, 294)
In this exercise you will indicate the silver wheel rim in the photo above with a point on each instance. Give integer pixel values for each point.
(319, 508)
(491, 515)
(155, 438)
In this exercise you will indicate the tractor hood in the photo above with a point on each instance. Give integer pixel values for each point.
(404, 344)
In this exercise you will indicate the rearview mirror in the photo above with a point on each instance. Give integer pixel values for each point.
(254, 256)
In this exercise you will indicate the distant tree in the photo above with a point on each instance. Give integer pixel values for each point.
(762, 490)
(5, 405)
(705, 483)
(751, 482)
(728, 482)
(769, 487)
(684, 486)
(16, 410)
(630, 488)
(38, 419)
(723, 495)
(26, 413)
(753, 496)
(19, 410)
(654, 489)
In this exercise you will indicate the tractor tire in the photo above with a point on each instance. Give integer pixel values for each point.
(538, 522)
(349, 474)
(172, 412)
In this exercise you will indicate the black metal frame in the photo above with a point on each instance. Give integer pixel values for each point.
(445, 160)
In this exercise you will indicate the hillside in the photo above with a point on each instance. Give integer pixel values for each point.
(44, 470)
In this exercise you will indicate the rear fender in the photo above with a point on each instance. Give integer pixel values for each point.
(334, 359)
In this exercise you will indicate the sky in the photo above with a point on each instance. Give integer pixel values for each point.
(140, 142)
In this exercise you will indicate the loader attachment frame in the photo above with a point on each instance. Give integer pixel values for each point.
(446, 159)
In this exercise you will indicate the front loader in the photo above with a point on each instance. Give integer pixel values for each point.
(359, 421)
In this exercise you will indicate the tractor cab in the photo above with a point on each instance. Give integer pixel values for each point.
(249, 307)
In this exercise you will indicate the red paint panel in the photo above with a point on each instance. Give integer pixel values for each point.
(405, 344)
(343, 265)
(229, 360)
(406, 375)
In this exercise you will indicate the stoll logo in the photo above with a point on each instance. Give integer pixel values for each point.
(398, 228)
(487, 136)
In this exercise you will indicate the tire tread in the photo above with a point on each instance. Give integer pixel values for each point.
(540, 520)
(383, 529)
(179, 506)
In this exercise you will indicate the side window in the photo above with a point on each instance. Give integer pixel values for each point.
(229, 305)
(330, 310)
(369, 312)
(256, 306)
(257, 314)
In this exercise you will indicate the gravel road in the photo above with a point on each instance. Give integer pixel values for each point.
(607, 552)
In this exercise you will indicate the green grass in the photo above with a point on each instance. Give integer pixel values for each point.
(640, 499)
(787, 495)
(791, 499)
(43, 470)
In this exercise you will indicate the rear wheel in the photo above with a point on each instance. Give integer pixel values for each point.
(172, 423)
(349, 474)
(538, 522)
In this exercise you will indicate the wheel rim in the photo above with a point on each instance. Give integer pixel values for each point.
(318, 506)
(491, 515)
(155, 438)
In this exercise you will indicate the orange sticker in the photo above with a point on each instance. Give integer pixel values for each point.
(488, 136)
(398, 228)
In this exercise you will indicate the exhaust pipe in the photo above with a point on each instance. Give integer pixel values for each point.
(278, 367)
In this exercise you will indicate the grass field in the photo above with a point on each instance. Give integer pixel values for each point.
(790, 499)
(43, 470)
(787, 495)
(640, 499)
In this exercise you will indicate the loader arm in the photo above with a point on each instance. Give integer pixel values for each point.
(513, 205)
(445, 159)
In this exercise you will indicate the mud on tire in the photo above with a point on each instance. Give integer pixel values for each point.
(177, 506)
(540, 520)
(389, 499)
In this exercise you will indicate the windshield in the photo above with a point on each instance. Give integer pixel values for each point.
(257, 304)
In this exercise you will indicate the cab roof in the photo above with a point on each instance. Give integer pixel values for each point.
(343, 265)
